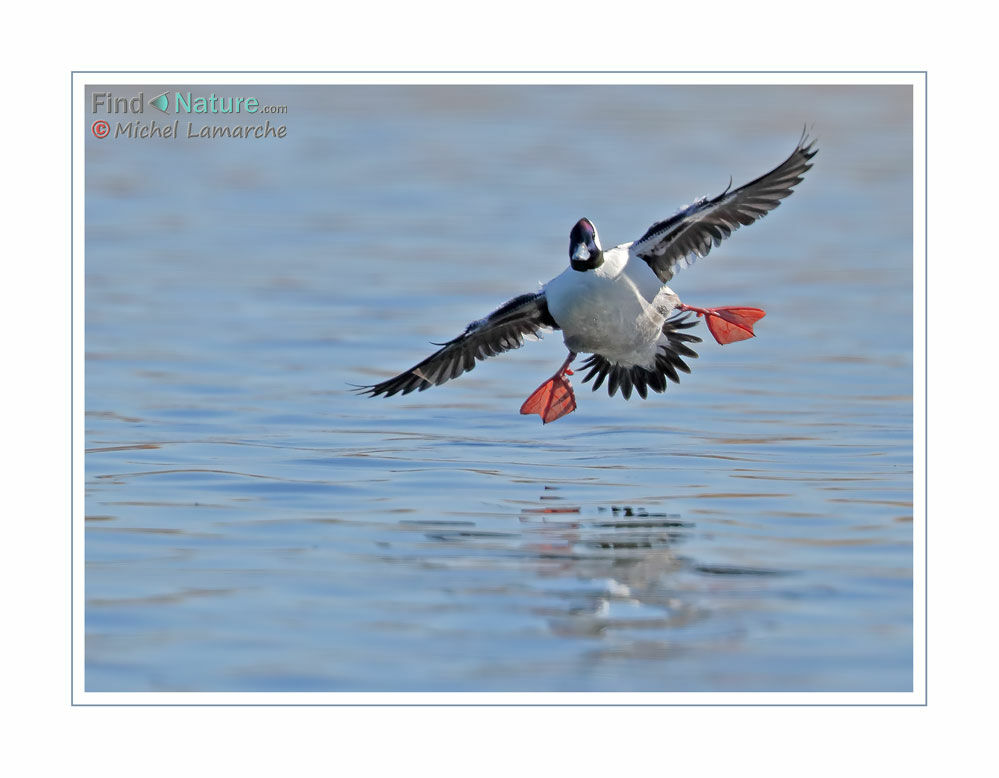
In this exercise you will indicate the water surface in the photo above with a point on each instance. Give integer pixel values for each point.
(252, 525)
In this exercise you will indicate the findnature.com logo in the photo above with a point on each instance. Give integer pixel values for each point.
(184, 103)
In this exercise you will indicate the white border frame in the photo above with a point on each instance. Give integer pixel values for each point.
(916, 79)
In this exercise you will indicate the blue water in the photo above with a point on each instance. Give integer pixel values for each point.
(252, 525)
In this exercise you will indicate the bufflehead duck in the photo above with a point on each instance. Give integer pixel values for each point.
(614, 304)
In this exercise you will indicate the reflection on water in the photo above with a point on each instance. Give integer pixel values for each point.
(253, 526)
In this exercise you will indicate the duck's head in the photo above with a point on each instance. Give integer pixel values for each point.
(585, 252)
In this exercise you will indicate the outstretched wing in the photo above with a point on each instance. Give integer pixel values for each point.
(678, 241)
(502, 330)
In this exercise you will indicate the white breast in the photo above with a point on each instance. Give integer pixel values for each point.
(610, 310)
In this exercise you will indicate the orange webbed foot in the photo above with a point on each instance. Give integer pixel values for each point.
(729, 324)
(552, 400)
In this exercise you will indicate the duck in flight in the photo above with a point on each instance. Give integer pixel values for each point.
(614, 304)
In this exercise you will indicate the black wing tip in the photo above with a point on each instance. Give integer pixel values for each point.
(370, 390)
(803, 152)
(806, 143)
(400, 384)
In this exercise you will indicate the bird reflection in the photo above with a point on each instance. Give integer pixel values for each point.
(621, 562)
